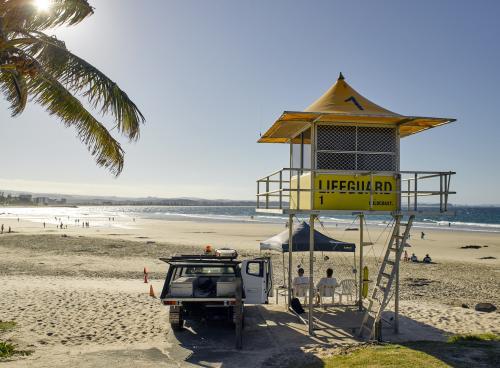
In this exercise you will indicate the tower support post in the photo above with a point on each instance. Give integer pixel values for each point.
(290, 248)
(396, 291)
(361, 263)
(311, 275)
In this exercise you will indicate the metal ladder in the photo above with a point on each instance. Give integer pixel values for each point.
(388, 270)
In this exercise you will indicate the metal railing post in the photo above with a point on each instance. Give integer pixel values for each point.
(298, 190)
(440, 192)
(447, 184)
(415, 195)
(409, 197)
(258, 192)
(267, 192)
(281, 189)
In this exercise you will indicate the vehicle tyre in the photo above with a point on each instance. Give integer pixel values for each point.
(175, 318)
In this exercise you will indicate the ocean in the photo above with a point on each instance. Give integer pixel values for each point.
(467, 218)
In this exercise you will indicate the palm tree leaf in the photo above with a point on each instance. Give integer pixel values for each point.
(23, 14)
(13, 86)
(51, 94)
(81, 77)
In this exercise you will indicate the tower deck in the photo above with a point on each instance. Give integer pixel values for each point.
(411, 192)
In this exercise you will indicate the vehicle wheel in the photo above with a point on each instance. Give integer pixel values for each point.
(175, 318)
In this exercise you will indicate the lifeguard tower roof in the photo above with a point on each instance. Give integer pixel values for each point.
(343, 104)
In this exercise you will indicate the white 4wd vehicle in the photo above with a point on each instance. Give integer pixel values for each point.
(214, 287)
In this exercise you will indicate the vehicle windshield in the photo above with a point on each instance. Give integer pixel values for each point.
(207, 270)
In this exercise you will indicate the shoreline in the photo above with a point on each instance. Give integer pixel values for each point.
(224, 214)
(441, 245)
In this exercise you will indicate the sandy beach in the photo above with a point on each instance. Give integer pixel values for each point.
(78, 297)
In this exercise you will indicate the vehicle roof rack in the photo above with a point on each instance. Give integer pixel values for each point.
(196, 257)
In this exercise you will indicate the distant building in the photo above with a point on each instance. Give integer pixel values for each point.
(41, 201)
(25, 198)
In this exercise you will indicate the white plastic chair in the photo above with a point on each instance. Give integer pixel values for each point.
(326, 291)
(347, 288)
(301, 291)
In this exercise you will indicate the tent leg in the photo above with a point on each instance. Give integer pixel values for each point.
(283, 261)
(311, 275)
(290, 248)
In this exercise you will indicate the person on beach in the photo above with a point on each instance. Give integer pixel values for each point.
(299, 284)
(422, 235)
(414, 258)
(2, 228)
(329, 280)
(405, 257)
(300, 279)
(9, 230)
(44, 224)
(427, 259)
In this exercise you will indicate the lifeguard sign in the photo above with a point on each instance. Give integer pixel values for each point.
(344, 153)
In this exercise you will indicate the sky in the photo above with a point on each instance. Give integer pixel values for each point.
(209, 76)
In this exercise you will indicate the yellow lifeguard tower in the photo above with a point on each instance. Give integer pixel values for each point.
(345, 159)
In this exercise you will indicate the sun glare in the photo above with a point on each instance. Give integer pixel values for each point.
(43, 5)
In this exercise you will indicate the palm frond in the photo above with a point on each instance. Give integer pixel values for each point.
(51, 94)
(13, 86)
(81, 77)
(35, 65)
(23, 14)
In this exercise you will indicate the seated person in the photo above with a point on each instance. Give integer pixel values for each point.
(414, 258)
(329, 280)
(299, 280)
(427, 259)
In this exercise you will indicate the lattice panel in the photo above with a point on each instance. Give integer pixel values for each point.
(376, 162)
(376, 139)
(336, 161)
(338, 138)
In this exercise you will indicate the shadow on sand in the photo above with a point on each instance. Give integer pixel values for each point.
(275, 338)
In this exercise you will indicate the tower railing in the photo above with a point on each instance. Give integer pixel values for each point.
(274, 191)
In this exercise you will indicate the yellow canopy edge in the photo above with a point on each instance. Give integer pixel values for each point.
(343, 104)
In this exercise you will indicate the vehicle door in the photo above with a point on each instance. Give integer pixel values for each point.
(269, 277)
(256, 283)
